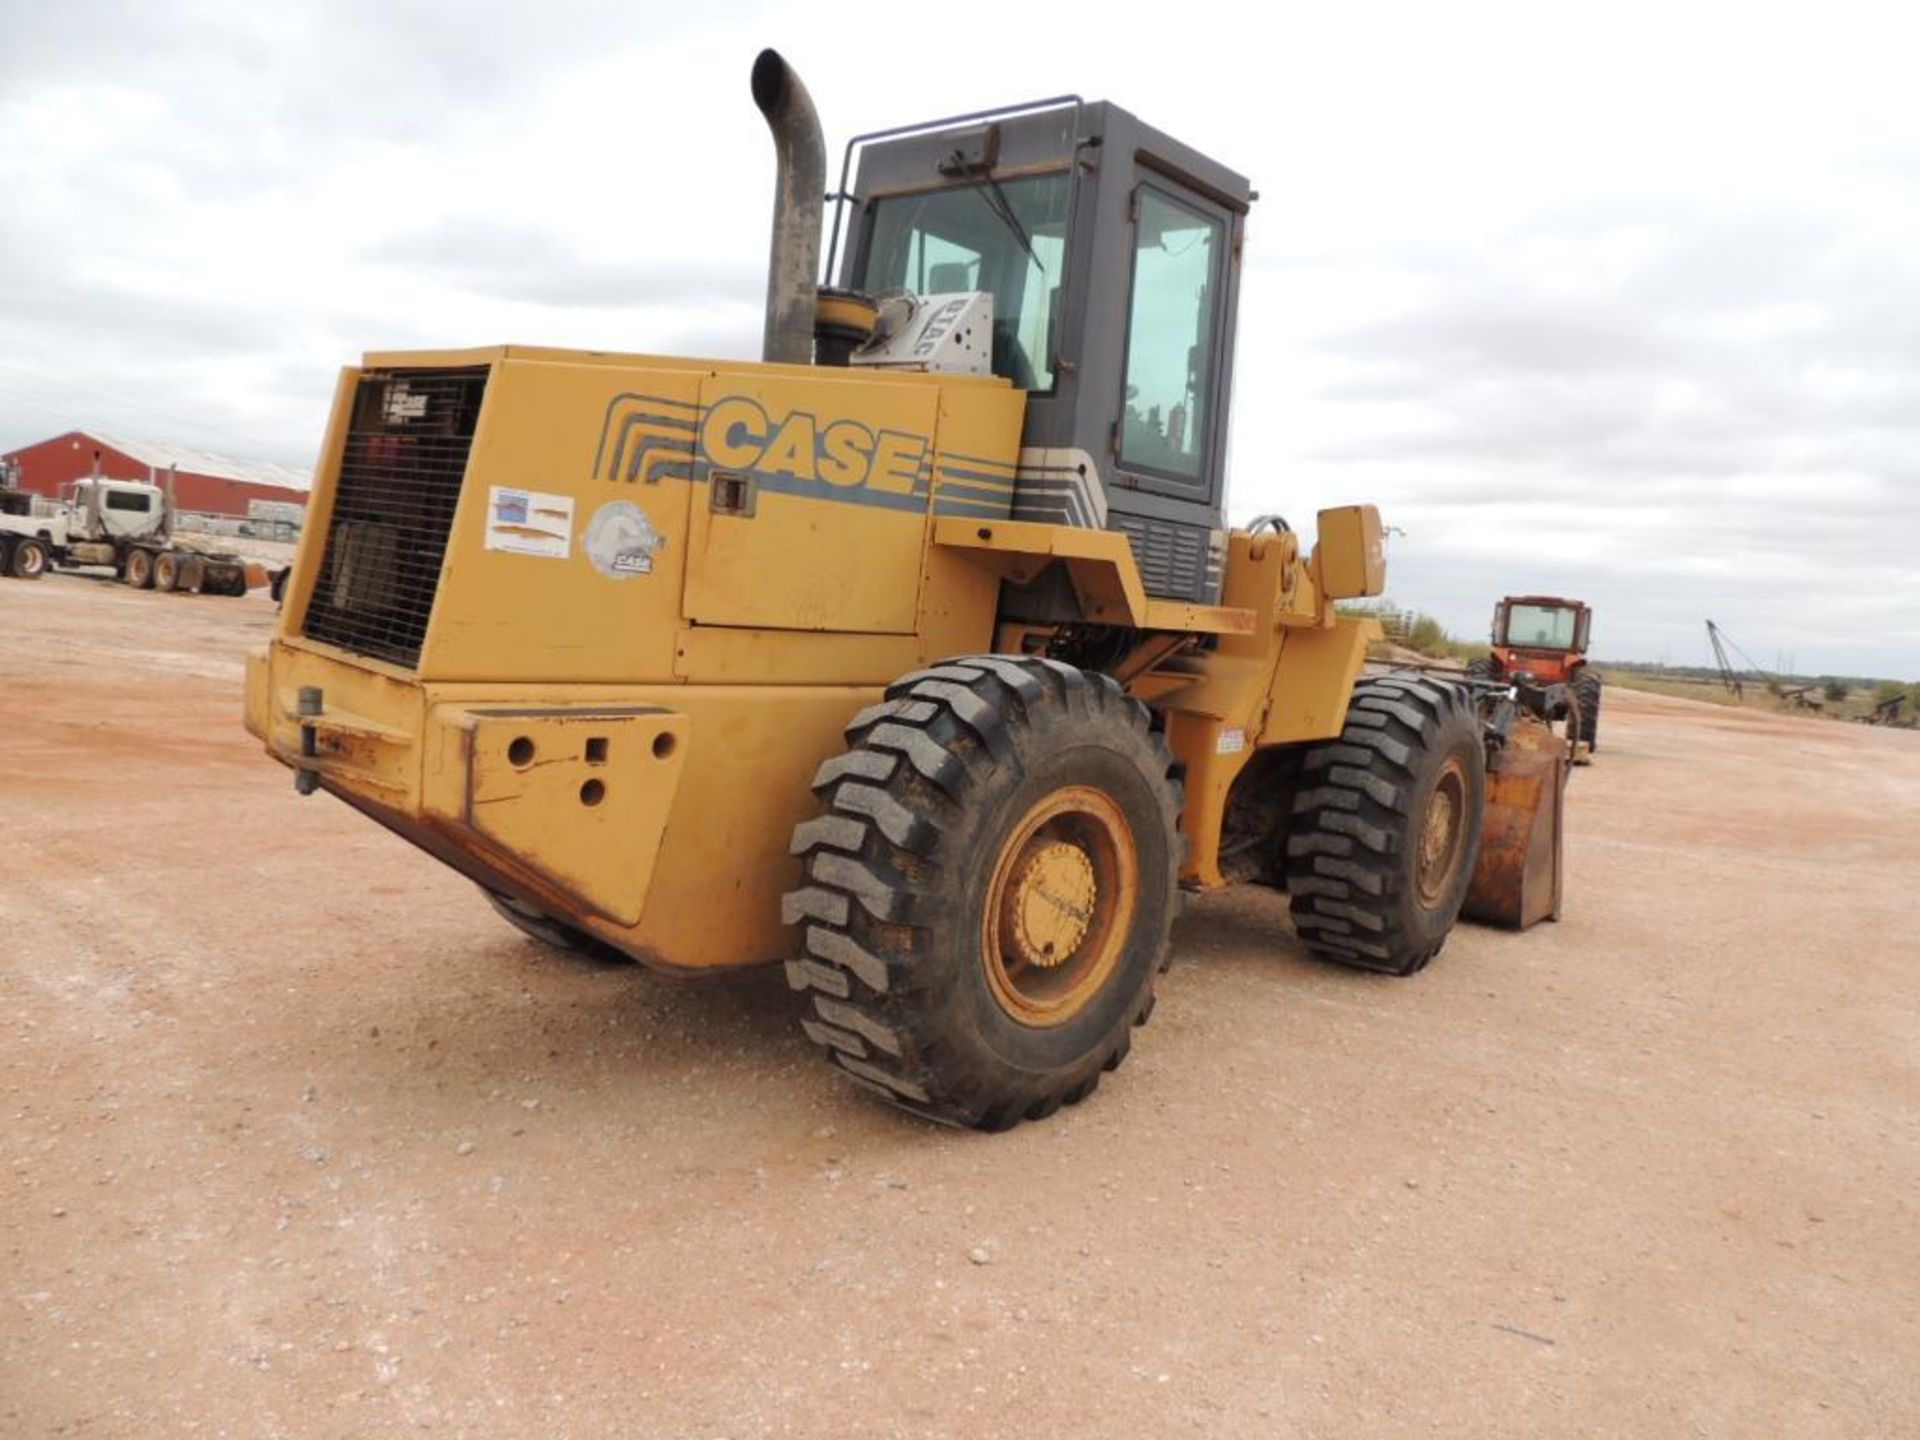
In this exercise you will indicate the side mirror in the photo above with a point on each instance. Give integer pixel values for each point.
(1351, 556)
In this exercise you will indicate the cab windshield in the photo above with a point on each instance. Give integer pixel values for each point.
(1006, 237)
(1547, 627)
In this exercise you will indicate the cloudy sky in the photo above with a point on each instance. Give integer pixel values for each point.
(1614, 300)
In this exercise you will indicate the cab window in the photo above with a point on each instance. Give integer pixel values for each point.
(1542, 625)
(129, 500)
(1176, 266)
(1006, 237)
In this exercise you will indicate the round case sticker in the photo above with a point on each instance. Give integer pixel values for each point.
(621, 541)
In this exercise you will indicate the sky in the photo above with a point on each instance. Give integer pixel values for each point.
(1616, 301)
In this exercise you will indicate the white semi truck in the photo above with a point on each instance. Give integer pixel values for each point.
(125, 525)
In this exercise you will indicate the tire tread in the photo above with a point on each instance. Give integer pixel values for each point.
(875, 873)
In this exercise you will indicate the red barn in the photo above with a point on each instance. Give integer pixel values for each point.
(209, 483)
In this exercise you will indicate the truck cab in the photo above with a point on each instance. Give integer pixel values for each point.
(103, 511)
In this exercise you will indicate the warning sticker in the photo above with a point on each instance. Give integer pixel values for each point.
(529, 522)
(1232, 741)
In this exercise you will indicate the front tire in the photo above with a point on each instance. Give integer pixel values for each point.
(1586, 699)
(1481, 667)
(988, 897)
(1386, 826)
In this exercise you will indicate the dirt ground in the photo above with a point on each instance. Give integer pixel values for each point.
(300, 1140)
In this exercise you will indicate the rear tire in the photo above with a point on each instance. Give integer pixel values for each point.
(166, 571)
(138, 571)
(1586, 699)
(28, 560)
(537, 925)
(1481, 668)
(989, 893)
(1386, 826)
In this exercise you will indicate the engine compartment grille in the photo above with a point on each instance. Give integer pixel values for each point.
(1177, 562)
(406, 453)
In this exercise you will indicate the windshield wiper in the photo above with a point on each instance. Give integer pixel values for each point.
(995, 199)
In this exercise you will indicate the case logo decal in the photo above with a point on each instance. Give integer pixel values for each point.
(621, 541)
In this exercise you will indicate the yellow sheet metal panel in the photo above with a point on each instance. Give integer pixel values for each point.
(748, 759)
(369, 725)
(1229, 681)
(1313, 682)
(258, 713)
(438, 359)
(723, 865)
(958, 601)
(1351, 556)
(614, 461)
(1186, 617)
(1100, 562)
(1214, 751)
(745, 757)
(716, 655)
(569, 545)
(814, 510)
(978, 450)
(577, 794)
(1263, 576)
(1101, 565)
(1214, 719)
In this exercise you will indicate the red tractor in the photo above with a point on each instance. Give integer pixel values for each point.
(1540, 647)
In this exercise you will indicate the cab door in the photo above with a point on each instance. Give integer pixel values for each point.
(1170, 438)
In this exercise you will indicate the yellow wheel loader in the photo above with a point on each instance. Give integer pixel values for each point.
(917, 654)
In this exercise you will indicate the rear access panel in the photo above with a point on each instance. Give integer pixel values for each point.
(813, 513)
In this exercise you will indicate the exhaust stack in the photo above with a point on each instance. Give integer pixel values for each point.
(799, 204)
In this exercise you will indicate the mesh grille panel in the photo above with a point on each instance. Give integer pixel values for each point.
(406, 454)
(1177, 562)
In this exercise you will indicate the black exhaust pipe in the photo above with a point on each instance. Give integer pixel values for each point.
(799, 204)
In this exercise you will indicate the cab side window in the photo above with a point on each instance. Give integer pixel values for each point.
(1176, 265)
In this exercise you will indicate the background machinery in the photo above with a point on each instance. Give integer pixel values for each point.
(125, 525)
(916, 654)
(1540, 646)
(1805, 696)
(25, 550)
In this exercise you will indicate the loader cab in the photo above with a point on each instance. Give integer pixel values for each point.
(1111, 253)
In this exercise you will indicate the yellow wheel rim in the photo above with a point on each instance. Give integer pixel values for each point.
(1442, 829)
(1060, 906)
